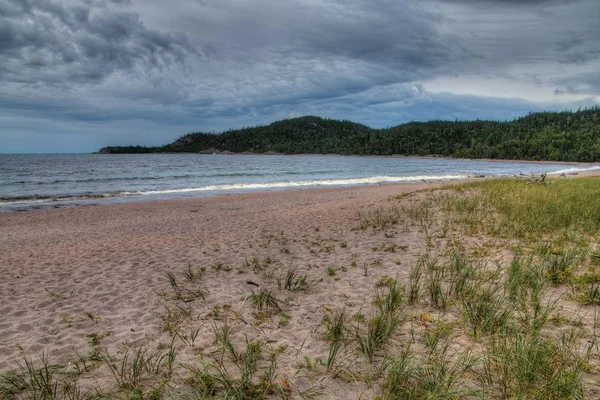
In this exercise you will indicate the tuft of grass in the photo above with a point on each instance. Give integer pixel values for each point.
(442, 283)
(378, 330)
(561, 264)
(264, 299)
(138, 366)
(190, 292)
(39, 382)
(389, 301)
(223, 337)
(215, 380)
(528, 366)
(586, 288)
(295, 281)
(193, 276)
(380, 218)
(414, 285)
(486, 311)
(461, 272)
(336, 333)
(442, 330)
(437, 376)
(434, 284)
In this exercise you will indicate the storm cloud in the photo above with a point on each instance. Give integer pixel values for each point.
(95, 67)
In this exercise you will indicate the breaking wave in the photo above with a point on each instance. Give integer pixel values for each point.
(235, 187)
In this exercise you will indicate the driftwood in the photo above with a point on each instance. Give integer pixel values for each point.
(541, 180)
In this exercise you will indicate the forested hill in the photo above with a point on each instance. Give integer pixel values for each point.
(566, 136)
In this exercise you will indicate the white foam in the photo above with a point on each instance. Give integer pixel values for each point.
(576, 169)
(331, 182)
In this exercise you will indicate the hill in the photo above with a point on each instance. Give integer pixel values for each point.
(552, 136)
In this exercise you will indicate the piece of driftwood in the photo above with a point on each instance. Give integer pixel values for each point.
(541, 180)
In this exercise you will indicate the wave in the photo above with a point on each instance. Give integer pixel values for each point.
(331, 182)
(159, 178)
(234, 187)
(576, 169)
(58, 198)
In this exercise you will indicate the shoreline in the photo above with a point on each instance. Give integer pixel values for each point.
(426, 157)
(35, 203)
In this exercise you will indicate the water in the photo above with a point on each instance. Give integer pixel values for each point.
(57, 180)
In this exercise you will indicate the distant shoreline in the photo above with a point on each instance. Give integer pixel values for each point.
(271, 153)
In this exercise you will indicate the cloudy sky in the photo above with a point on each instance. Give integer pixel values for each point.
(76, 75)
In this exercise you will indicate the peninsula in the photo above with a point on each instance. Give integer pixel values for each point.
(544, 136)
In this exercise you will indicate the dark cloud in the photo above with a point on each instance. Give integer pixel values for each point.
(512, 3)
(215, 65)
(48, 42)
(580, 84)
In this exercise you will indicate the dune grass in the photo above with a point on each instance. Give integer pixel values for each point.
(512, 208)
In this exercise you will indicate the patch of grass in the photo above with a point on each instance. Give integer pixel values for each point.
(295, 281)
(193, 276)
(560, 264)
(525, 289)
(385, 281)
(422, 213)
(223, 336)
(259, 265)
(264, 299)
(460, 273)
(215, 380)
(527, 366)
(440, 331)
(381, 218)
(189, 292)
(336, 333)
(486, 311)
(530, 211)
(44, 381)
(434, 284)
(437, 376)
(378, 330)
(414, 285)
(138, 366)
(586, 288)
(440, 283)
(175, 315)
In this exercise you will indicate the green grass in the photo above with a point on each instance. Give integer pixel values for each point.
(373, 335)
(523, 366)
(295, 281)
(512, 208)
(336, 333)
(436, 376)
(486, 310)
(381, 218)
(264, 299)
(138, 366)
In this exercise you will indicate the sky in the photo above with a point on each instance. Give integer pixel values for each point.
(77, 75)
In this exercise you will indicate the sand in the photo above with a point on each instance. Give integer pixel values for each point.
(101, 270)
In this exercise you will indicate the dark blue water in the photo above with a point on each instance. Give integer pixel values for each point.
(55, 180)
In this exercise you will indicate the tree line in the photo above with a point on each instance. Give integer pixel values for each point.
(551, 136)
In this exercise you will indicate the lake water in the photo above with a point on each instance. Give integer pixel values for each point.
(31, 181)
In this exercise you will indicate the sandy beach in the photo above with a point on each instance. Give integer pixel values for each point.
(73, 274)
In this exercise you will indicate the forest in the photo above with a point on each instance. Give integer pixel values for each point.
(550, 136)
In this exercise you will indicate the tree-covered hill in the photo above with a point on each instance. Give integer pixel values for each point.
(564, 136)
